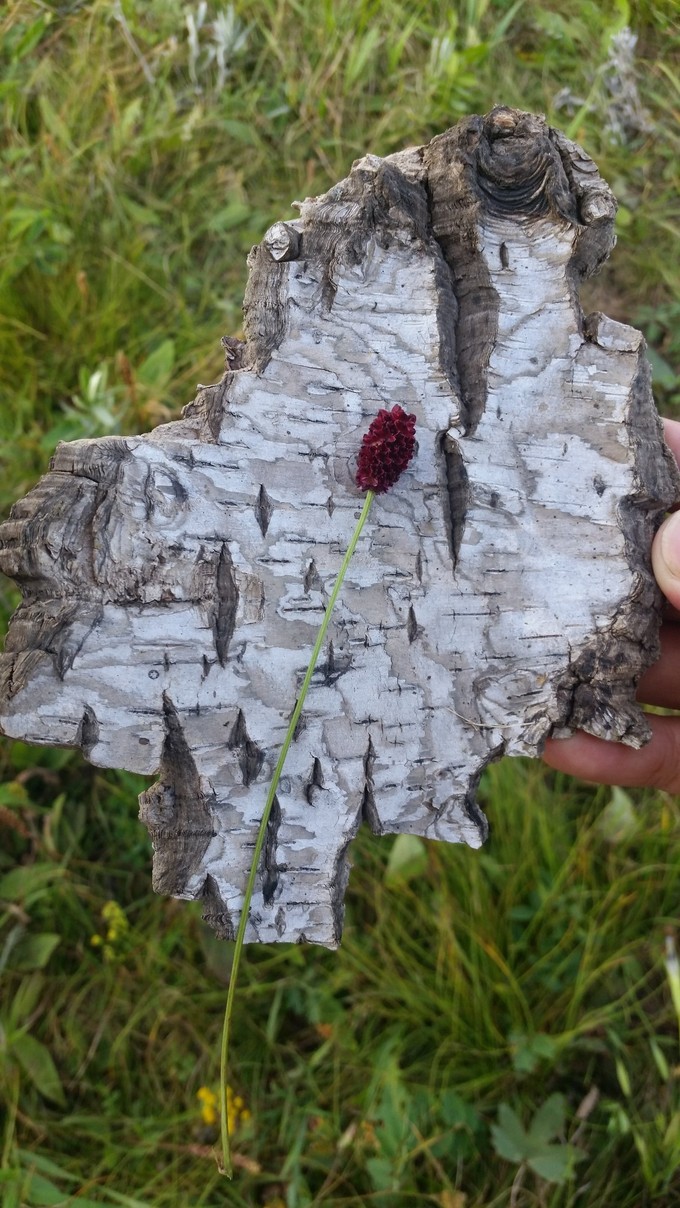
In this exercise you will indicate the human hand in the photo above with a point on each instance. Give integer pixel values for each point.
(657, 764)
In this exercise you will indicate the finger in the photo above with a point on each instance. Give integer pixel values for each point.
(671, 431)
(660, 683)
(666, 558)
(656, 765)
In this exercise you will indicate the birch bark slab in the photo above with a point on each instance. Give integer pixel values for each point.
(174, 583)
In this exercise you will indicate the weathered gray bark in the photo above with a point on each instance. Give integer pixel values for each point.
(174, 583)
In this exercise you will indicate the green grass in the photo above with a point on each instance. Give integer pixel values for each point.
(469, 986)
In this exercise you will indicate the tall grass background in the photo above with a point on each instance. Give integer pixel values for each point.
(499, 1027)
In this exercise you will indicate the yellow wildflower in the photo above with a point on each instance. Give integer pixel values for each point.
(208, 1101)
(114, 941)
(114, 915)
(237, 1112)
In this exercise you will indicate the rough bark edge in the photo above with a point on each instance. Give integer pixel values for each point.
(175, 812)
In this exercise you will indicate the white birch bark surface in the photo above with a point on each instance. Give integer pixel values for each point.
(174, 583)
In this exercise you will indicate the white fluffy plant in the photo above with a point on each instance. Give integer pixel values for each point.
(215, 41)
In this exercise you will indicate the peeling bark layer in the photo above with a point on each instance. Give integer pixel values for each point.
(174, 583)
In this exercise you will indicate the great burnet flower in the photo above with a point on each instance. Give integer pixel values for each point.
(386, 450)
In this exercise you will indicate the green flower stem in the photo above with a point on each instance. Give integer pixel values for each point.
(259, 842)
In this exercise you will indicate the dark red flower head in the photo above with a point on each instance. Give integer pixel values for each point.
(386, 450)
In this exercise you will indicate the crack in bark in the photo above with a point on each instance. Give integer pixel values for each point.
(57, 627)
(263, 510)
(211, 403)
(369, 812)
(454, 207)
(456, 496)
(315, 781)
(215, 911)
(250, 756)
(334, 667)
(88, 731)
(312, 579)
(175, 812)
(470, 805)
(268, 867)
(227, 595)
(339, 882)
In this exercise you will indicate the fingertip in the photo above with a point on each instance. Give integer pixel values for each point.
(579, 755)
(655, 765)
(671, 431)
(666, 558)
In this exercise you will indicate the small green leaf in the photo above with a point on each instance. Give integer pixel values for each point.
(381, 1173)
(618, 820)
(241, 132)
(509, 1138)
(141, 215)
(407, 860)
(623, 1077)
(393, 1116)
(230, 217)
(24, 222)
(528, 1051)
(36, 1161)
(548, 1122)
(36, 1061)
(60, 232)
(129, 118)
(25, 1000)
(14, 793)
(39, 1192)
(54, 121)
(31, 37)
(455, 1112)
(125, 1200)
(28, 880)
(158, 366)
(33, 951)
(554, 1163)
(660, 1061)
(663, 374)
(10, 941)
(10, 1181)
(361, 51)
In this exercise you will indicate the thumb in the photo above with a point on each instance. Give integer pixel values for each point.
(666, 558)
